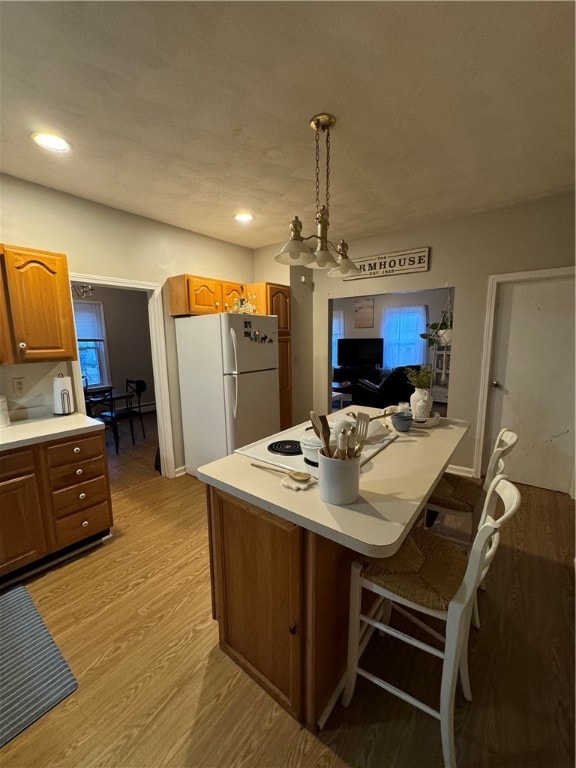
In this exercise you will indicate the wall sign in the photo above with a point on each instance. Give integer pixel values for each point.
(395, 263)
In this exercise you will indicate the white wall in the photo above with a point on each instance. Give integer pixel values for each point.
(464, 252)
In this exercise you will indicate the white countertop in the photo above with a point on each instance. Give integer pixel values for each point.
(30, 431)
(394, 486)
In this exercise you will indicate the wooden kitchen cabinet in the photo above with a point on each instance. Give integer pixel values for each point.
(194, 295)
(22, 534)
(280, 595)
(261, 617)
(52, 495)
(36, 314)
(271, 299)
(230, 293)
(77, 488)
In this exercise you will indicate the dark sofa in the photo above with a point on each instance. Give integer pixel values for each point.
(392, 388)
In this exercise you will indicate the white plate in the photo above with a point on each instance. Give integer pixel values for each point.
(433, 421)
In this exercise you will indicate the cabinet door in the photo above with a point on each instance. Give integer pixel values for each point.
(258, 579)
(204, 295)
(279, 304)
(22, 538)
(230, 293)
(39, 303)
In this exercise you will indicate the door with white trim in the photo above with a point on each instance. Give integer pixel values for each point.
(530, 388)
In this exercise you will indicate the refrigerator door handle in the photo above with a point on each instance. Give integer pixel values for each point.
(235, 410)
(234, 350)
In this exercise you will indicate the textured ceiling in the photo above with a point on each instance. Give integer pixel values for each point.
(187, 112)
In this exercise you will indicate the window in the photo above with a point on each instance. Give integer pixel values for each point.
(337, 333)
(401, 329)
(91, 335)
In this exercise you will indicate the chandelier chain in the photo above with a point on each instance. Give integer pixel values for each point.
(328, 170)
(317, 170)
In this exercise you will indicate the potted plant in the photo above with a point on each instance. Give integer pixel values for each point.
(421, 398)
(439, 334)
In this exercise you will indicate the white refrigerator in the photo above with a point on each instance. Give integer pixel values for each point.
(229, 391)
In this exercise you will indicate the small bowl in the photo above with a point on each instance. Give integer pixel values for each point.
(311, 444)
(402, 421)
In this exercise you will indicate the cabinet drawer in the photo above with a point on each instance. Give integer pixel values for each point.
(16, 463)
(76, 527)
(81, 496)
(76, 450)
(72, 474)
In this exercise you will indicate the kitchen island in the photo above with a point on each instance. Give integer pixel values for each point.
(280, 560)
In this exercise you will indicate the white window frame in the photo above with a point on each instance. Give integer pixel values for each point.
(395, 353)
(98, 314)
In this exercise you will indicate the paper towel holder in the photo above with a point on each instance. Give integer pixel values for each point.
(63, 402)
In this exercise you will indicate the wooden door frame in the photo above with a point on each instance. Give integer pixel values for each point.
(159, 360)
(494, 283)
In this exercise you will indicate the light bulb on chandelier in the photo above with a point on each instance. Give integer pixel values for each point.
(296, 252)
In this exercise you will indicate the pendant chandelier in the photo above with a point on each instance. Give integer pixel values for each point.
(296, 252)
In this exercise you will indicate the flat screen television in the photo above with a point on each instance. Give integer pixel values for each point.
(360, 353)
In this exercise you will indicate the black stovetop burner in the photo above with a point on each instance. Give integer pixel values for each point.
(286, 447)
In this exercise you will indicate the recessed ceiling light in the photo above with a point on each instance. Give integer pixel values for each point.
(244, 217)
(54, 143)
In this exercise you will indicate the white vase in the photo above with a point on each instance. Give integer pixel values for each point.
(421, 403)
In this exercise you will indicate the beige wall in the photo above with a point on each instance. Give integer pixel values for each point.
(464, 252)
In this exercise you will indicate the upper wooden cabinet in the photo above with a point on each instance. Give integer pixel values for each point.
(36, 315)
(271, 299)
(231, 292)
(194, 295)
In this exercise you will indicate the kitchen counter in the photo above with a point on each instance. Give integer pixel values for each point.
(394, 486)
(30, 431)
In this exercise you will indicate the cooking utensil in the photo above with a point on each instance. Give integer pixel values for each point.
(381, 448)
(293, 474)
(342, 450)
(362, 422)
(352, 441)
(316, 424)
(325, 435)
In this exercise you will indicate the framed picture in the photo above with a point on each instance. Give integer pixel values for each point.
(364, 313)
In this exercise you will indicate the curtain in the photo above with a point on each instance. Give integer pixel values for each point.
(401, 329)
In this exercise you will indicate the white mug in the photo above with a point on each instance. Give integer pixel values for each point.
(339, 479)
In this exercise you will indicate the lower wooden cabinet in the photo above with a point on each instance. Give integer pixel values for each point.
(280, 594)
(52, 495)
(261, 618)
(22, 534)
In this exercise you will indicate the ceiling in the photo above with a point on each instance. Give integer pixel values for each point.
(188, 112)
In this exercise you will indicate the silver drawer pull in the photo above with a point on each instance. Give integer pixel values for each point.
(76, 450)
(85, 524)
(82, 496)
(79, 471)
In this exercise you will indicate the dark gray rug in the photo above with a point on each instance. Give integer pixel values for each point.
(34, 676)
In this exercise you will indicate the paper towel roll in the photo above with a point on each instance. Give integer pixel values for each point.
(63, 397)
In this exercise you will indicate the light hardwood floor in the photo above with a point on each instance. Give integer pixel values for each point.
(132, 618)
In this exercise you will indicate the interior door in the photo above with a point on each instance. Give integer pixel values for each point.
(532, 379)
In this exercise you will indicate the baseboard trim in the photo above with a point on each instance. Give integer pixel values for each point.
(456, 470)
(179, 471)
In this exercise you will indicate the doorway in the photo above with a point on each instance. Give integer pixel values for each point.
(159, 361)
(528, 376)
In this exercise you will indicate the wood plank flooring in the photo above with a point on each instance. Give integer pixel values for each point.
(132, 617)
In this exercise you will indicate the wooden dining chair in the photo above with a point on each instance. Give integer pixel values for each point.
(459, 495)
(431, 576)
